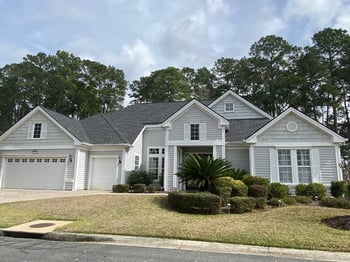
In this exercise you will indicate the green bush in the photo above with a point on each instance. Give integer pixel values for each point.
(255, 180)
(257, 191)
(120, 188)
(260, 202)
(304, 200)
(140, 177)
(335, 202)
(289, 201)
(242, 204)
(275, 202)
(339, 188)
(139, 188)
(277, 190)
(194, 203)
(237, 174)
(223, 192)
(238, 188)
(151, 189)
(312, 190)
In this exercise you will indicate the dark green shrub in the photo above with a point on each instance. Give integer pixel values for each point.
(151, 189)
(223, 192)
(237, 174)
(257, 191)
(335, 202)
(195, 203)
(289, 201)
(275, 202)
(338, 188)
(316, 190)
(300, 190)
(140, 177)
(260, 202)
(239, 189)
(242, 204)
(255, 180)
(277, 190)
(304, 200)
(120, 188)
(139, 188)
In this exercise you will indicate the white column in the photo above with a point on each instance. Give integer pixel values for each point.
(175, 169)
(252, 160)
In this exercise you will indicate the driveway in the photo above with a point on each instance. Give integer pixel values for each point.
(15, 195)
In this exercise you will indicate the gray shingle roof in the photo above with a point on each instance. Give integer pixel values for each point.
(124, 125)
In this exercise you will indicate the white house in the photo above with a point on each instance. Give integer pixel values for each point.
(46, 150)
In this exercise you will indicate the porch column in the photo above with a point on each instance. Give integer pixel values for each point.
(175, 168)
(251, 160)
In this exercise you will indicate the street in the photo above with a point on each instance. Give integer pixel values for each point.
(29, 250)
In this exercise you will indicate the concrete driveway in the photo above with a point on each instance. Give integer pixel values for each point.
(15, 195)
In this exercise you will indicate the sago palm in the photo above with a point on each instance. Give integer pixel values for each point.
(203, 171)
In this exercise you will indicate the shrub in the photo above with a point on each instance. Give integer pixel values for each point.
(255, 180)
(139, 188)
(275, 202)
(257, 191)
(289, 201)
(277, 190)
(237, 174)
(338, 188)
(260, 202)
(195, 203)
(140, 177)
(242, 204)
(239, 189)
(312, 190)
(303, 200)
(151, 189)
(335, 202)
(120, 188)
(300, 190)
(224, 193)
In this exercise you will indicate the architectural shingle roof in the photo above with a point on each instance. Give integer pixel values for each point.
(124, 125)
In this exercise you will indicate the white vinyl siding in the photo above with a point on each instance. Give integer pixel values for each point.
(81, 176)
(328, 164)
(262, 162)
(239, 158)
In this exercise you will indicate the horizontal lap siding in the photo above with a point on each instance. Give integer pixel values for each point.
(82, 174)
(328, 164)
(239, 158)
(262, 162)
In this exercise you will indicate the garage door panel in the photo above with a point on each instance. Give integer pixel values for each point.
(34, 173)
(104, 173)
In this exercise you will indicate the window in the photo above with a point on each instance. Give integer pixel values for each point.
(229, 107)
(194, 131)
(155, 164)
(294, 166)
(37, 130)
(137, 162)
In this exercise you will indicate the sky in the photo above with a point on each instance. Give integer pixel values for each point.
(141, 36)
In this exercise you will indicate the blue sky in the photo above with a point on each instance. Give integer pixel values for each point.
(140, 36)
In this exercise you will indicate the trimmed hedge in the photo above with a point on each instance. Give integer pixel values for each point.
(223, 192)
(140, 177)
(257, 191)
(260, 202)
(312, 190)
(300, 190)
(255, 180)
(339, 188)
(290, 201)
(238, 188)
(120, 188)
(242, 204)
(277, 190)
(304, 200)
(139, 188)
(275, 202)
(335, 202)
(151, 189)
(195, 203)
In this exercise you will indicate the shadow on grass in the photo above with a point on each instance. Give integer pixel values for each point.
(162, 202)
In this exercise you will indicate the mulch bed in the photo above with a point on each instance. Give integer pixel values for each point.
(339, 222)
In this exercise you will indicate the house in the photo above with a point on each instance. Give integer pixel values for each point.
(46, 150)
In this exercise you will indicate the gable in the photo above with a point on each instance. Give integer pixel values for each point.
(20, 135)
(232, 106)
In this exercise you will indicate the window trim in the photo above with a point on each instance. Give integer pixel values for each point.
(202, 131)
(137, 167)
(229, 103)
(160, 156)
(31, 129)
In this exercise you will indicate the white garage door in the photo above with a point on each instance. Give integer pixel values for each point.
(34, 173)
(104, 173)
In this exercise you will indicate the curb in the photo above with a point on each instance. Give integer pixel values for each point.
(189, 245)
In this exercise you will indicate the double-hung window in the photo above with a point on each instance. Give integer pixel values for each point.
(294, 166)
(195, 131)
(156, 161)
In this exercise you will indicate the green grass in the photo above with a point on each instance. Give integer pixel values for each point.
(289, 227)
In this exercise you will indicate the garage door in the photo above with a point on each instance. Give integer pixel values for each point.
(34, 173)
(104, 173)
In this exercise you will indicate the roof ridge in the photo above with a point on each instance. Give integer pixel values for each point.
(113, 127)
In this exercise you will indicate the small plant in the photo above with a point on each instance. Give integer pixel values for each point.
(238, 188)
(224, 193)
(300, 190)
(277, 190)
(338, 188)
(314, 190)
(335, 203)
(195, 203)
(257, 191)
(120, 188)
(304, 200)
(140, 177)
(139, 188)
(275, 202)
(237, 174)
(289, 201)
(242, 204)
(260, 202)
(255, 180)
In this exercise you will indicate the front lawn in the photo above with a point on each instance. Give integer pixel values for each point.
(290, 227)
